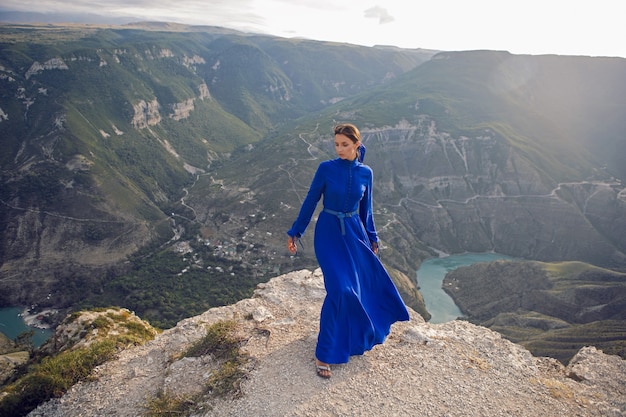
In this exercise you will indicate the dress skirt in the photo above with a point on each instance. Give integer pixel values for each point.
(361, 300)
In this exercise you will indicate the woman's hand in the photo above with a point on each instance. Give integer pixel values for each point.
(375, 247)
(291, 245)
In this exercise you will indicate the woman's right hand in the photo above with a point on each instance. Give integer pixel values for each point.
(291, 244)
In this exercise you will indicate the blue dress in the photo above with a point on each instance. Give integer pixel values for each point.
(361, 301)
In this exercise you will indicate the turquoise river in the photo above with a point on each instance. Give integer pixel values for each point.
(430, 277)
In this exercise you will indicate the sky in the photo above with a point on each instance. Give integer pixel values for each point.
(536, 27)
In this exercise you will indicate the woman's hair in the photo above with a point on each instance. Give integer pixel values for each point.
(349, 130)
(352, 132)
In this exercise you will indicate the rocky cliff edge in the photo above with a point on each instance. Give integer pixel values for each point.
(451, 369)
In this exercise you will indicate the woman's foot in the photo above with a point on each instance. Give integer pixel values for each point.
(323, 369)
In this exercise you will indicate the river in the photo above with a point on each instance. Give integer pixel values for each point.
(12, 324)
(430, 277)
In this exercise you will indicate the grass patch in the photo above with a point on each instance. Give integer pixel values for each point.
(101, 322)
(219, 341)
(227, 380)
(223, 345)
(165, 405)
(53, 376)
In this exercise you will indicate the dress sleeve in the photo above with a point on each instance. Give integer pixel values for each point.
(365, 210)
(308, 205)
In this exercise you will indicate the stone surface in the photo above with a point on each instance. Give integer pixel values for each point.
(450, 369)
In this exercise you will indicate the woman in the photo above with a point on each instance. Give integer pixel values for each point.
(361, 301)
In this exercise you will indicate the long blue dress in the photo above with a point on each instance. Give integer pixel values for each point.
(361, 301)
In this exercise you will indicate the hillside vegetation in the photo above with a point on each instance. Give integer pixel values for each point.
(553, 309)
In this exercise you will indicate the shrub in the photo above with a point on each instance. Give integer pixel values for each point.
(218, 341)
(164, 405)
(53, 376)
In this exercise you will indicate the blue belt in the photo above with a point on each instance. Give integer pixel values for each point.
(341, 216)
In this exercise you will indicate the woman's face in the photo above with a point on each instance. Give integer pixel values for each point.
(345, 148)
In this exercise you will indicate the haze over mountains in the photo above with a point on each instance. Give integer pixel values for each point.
(11, 16)
(154, 166)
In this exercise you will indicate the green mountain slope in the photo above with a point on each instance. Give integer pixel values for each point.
(553, 309)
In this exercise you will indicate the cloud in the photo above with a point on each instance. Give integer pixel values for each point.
(379, 13)
(193, 10)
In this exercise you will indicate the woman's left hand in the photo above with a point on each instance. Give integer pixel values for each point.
(375, 247)
(291, 245)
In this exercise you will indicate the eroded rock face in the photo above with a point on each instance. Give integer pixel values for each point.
(480, 194)
(182, 110)
(203, 90)
(146, 114)
(452, 369)
(53, 63)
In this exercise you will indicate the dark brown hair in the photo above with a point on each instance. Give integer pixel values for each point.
(348, 130)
